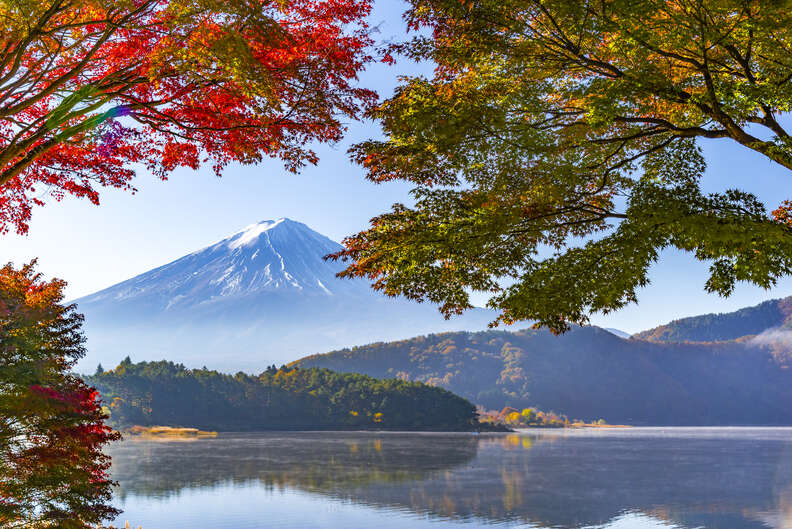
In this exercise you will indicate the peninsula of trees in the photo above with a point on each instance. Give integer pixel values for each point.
(164, 393)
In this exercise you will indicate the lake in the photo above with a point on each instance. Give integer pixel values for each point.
(643, 478)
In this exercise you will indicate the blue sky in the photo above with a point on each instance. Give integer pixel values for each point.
(94, 247)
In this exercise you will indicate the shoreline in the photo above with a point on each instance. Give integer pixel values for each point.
(187, 434)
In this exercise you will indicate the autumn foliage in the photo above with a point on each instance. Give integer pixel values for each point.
(90, 89)
(556, 152)
(52, 470)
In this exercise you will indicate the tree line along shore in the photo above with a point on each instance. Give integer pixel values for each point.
(164, 399)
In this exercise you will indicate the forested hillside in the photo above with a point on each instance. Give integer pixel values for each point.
(718, 327)
(164, 393)
(588, 373)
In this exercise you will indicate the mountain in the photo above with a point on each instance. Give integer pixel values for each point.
(589, 373)
(263, 295)
(773, 314)
(618, 332)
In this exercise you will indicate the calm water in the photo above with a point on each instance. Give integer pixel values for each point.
(729, 478)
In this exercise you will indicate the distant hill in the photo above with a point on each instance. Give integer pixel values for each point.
(589, 373)
(262, 295)
(719, 327)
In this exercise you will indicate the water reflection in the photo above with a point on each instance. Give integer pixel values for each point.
(315, 462)
(632, 478)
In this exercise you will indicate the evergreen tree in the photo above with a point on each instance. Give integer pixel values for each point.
(168, 394)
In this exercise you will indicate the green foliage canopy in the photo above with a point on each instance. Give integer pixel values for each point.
(554, 152)
(164, 393)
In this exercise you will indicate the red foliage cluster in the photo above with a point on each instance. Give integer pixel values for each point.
(784, 213)
(90, 88)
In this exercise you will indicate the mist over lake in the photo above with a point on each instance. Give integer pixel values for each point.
(611, 478)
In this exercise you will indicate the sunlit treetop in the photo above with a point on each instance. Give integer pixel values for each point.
(555, 152)
(90, 87)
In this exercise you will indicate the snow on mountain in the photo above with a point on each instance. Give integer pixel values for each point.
(270, 256)
(263, 295)
(619, 333)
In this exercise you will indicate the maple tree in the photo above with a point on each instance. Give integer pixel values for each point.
(91, 88)
(555, 152)
(52, 469)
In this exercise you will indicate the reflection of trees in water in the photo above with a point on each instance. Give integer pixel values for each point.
(782, 518)
(694, 482)
(550, 479)
(317, 462)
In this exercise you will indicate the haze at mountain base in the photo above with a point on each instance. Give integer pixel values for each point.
(263, 295)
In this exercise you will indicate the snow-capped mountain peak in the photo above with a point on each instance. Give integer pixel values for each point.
(269, 256)
(251, 233)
